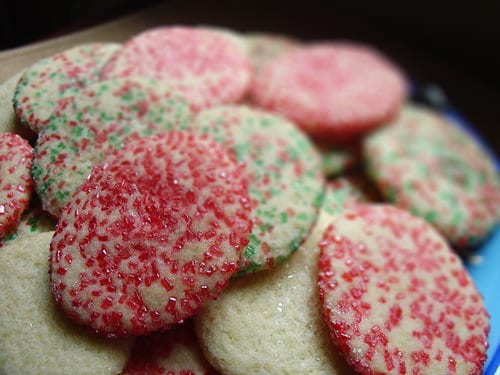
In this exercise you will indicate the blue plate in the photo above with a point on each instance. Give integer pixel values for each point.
(484, 264)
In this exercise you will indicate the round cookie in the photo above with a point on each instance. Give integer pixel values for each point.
(275, 316)
(264, 47)
(332, 90)
(424, 164)
(103, 117)
(35, 337)
(206, 66)
(16, 159)
(51, 83)
(285, 179)
(396, 298)
(173, 352)
(154, 233)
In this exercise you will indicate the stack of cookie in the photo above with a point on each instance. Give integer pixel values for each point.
(197, 201)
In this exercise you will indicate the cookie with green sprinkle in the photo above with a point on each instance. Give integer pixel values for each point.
(53, 82)
(286, 182)
(102, 118)
(425, 164)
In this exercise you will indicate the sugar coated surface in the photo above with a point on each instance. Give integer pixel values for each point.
(396, 298)
(153, 234)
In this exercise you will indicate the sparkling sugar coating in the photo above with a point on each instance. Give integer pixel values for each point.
(332, 90)
(173, 352)
(103, 117)
(53, 82)
(426, 165)
(285, 179)
(153, 234)
(16, 159)
(206, 66)
(397, 299)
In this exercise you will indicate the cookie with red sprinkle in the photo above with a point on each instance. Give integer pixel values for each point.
(332, 90)
(423, 163)
(173, 352)
(51, 83)
(154, 233)
(206, 66)
(16, 159)
(35, 336)
(285, 179)
(102, 118)
(396, 298)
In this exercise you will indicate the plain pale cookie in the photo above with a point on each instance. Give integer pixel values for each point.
(51, 83)
(103, 117)
(285, 179)
(35, 337)
(397, 299)
(424, 164)
(271, 322)
(206, 66)
(152, 235)
(334, 91)
(16, 159)
(173, 352)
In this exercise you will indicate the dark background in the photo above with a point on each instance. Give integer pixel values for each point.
(455, 45)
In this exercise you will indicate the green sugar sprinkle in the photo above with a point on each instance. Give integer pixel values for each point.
(250, 249)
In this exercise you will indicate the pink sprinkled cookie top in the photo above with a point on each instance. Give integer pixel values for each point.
(397, 299)
(332, 90)
(173, 352)
(16, 158)
(153, 234)
(206, 66)
(53, 82)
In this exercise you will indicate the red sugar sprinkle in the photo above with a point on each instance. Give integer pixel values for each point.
(160, 230)
(404, 305)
